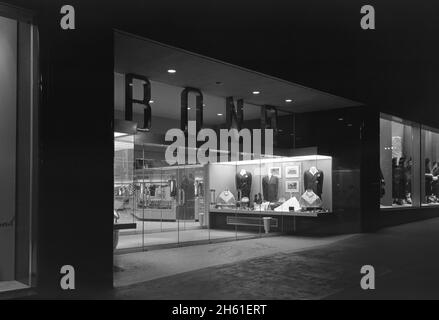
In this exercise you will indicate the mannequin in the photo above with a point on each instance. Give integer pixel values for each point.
(313, 180)
(270, 186)
(243, 181)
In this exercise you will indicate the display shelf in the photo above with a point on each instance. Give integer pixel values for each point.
(271, 213)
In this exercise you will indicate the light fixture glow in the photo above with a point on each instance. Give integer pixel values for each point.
(151, 101)
(119, 134)
(256, 92)
(288, 100)
(220, 114)
(172, 71)
(340, 119)
(189, 108)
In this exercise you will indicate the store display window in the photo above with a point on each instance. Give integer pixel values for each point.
(399, 163)
(430, 166)
(300, 185)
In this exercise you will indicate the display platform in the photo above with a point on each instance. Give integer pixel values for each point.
(246, 220)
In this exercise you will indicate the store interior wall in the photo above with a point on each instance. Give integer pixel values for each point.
(8, 107)
(431, 150)
(336, 133)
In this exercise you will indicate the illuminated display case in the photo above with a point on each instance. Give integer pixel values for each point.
(293, 185)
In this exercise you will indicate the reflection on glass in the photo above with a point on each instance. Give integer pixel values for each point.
(430, 153)
(399, 156)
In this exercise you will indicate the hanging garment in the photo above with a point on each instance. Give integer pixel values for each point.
(398, 183)
(314, 181)
(270, 187)
(243, 181)
(382, 184)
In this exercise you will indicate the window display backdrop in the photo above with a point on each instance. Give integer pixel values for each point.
(275, 180)
(8, 111)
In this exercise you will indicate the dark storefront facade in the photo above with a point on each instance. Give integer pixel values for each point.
(92, 178)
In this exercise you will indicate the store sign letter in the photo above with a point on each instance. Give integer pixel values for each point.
(68, 20)
(368, 280)
(68, 280)
(368, 21)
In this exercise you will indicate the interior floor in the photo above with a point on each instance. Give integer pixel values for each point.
(128, 241)
(11, 285)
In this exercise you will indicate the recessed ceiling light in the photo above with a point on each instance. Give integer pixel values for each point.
(172, 71)
(288, 100)
(189, 108)
(256, 92)
(340, 119)
(220, 114)
(349, 124)
(151, 101)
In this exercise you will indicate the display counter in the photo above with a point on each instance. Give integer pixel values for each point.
(250, 220)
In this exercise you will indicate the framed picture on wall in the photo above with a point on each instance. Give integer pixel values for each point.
(292, 186)
(292, 172)
(275, 171)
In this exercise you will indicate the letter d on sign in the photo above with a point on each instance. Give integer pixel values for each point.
(368, 281)
(68, 280)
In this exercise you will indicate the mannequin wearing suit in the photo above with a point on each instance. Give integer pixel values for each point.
(244, 182)
(270, 186)
(313, 179)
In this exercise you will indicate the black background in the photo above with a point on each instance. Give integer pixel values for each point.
(316, 43)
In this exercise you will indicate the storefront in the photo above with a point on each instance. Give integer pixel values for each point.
(409, 168)
(104, 183)
(306, 184)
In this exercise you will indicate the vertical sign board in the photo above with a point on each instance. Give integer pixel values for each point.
(8, 114)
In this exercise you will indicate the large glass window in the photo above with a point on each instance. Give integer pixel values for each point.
(430, 169)
(399, 163)
(18, 109)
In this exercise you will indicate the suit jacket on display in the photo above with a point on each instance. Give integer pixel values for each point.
(244, 183)
(270, 188)
(314, 182)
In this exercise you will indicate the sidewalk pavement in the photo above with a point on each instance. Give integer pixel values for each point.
(405, 259)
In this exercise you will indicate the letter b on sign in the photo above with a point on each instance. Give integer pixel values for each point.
(368, 280)
(68, 280)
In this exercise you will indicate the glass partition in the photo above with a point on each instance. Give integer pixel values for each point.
(430, 166)
(18, 141)
(399, 163)
(258, 196)
(126, 194)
